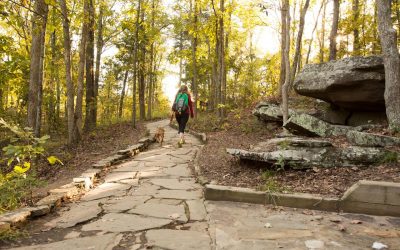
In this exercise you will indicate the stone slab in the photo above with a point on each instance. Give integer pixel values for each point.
(132, 182)
(120, 204)
(115, 222)
(197, 210)
(78, 213)
(178, 239)
(106, 190)
(174, 184)
(175, 212)
(371, 140)
(39, 210)
(51, 200)
(68, 192)
(179, 194)
(179, 170)
(117, 176)
(165, 201)
(127, 167)
(15, 217)
(104, 242)
(145, 189)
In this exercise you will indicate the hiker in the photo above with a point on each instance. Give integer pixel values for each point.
(182, 107)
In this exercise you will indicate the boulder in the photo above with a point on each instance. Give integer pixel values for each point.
(371, 140)
(268, 112)
(355, 83)
(300, 153)
(307, 125)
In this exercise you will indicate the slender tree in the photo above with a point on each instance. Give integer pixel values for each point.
(285, 88)
(99, 51)
(39, 21)
(313, 31)
(81, 73)
(90, 118)
(388, 36)
(334, 30)
(356, 31)
(296, 60)
(68, 74)
(135, 61)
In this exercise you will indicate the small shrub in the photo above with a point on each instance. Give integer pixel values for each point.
(270, 186)
(17, 181)
(390, 157)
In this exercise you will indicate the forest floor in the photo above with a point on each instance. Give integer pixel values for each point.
(242, 130)
(102, 142)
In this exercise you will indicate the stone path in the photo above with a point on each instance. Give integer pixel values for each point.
(153, 202)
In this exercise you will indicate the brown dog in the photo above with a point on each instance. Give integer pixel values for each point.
(159, 135)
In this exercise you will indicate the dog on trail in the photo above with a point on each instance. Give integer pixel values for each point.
(159, 135)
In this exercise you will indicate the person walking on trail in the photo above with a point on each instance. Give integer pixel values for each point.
(182, 107)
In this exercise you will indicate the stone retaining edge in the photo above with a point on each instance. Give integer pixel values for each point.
(65, 192)
(351, 202)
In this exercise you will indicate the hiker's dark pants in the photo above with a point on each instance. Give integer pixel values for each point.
(182, 119)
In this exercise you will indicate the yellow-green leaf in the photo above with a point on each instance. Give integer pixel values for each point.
(53, 160)
(20, 170)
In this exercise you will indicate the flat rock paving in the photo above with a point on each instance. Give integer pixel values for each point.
(152, 201)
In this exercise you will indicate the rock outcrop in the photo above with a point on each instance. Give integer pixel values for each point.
(268, 112)
(371, 140)
(307, 125)
(299, 153)
(355, 83)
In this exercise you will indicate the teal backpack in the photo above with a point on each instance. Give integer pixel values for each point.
(181, 103)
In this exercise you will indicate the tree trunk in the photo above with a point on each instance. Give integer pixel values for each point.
(356, 32)
(53, 75)
(38, 124)
(313, 31)
(388, 36)
(90, 122)
(142, 70)
(151, 71)
(283, 44)
(298, 42)
(39, 21)
(81, 74)
(334, 30)
(1, 100)
(322, 38)
(285, 88)
(121, 100)
(68, 73)
(180, 58)
(135, 63)
(194, 57)
(99, 47)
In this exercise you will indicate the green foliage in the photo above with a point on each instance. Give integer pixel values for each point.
(20, 156)
(12, 235)
(390, 157)
(14, 190)
(270, 186)
(24, 150)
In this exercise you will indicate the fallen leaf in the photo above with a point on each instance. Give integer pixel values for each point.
(356, 222)
(341, 228)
